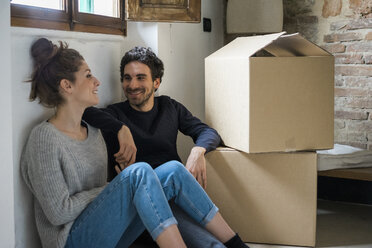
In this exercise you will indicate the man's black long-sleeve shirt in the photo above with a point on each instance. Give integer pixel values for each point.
(154, 132)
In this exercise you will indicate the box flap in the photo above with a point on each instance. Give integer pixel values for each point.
(245, 46)
(278, 45)
(225, 149)
(294, 45)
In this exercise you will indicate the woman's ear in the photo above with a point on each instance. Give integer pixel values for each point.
(66, 86)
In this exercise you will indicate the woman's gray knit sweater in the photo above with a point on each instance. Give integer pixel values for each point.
(64, 175)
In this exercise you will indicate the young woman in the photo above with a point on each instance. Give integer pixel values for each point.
(64, 165)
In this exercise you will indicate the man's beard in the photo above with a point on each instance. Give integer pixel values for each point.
(139, 103)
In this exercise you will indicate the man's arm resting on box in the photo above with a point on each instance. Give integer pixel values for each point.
(196, 165)
(107, 120)
(208, 140)
(205, 138)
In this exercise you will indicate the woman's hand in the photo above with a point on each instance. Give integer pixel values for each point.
(127, 151)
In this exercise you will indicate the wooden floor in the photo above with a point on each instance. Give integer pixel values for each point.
(340, 225)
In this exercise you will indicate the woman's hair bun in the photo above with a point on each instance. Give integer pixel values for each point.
(51, 64)
(43, 50)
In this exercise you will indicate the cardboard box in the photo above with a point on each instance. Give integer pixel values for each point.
(267, 198)
(271, 93)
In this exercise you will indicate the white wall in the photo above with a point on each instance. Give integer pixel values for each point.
(7, 238)
(182, 47)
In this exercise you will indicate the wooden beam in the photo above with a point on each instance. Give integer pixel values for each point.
(364, 174)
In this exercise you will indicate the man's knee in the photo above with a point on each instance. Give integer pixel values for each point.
(175, 167)
(137, 170)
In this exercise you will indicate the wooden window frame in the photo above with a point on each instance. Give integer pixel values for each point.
(133, 10)
(69, 19)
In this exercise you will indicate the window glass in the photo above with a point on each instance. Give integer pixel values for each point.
(100, 7)
(50, 4)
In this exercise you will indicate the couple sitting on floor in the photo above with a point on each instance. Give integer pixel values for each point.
(65, 160)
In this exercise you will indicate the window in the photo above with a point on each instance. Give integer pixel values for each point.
(100, 16)
(100, 7)
(97, 16)
(51, 4)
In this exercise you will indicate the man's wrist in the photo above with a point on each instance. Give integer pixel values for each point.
(199, 149)
(124, 128)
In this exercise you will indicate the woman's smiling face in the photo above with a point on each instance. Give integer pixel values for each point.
(85, 87)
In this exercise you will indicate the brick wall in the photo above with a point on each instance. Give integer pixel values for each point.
(300, 17)
(344, 28)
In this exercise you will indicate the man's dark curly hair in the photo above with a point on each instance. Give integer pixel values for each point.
(145, 56)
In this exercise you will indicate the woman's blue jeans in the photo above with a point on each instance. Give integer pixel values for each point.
(136, 199)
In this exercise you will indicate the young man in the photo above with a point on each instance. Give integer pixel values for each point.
(145, 128)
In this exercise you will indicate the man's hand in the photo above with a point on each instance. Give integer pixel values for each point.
(127, 151)
(119, 168)
(196, 165)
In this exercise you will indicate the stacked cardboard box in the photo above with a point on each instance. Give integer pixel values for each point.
(269, 96)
